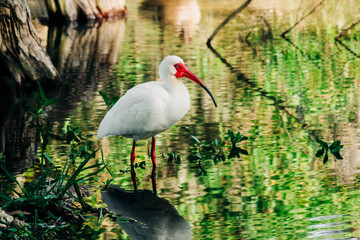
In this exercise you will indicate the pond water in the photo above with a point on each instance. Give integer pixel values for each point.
(281, 94)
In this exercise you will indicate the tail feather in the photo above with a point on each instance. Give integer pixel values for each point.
(103, 130)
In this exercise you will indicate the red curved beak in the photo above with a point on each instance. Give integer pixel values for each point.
(195, 79)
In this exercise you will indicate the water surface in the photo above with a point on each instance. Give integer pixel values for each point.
(282, 95)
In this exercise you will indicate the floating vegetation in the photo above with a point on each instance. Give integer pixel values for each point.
(218, 150)
(334, 148)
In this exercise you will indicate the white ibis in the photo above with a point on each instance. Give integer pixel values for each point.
(151, 108)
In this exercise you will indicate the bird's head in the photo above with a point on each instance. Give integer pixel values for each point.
(175, 66)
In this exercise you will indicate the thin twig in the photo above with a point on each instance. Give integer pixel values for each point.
(255, 53)
(268, 34)
(233, 14)
(347, 48)
(344, 30)
(301, 19)
(291, 43)
(301, 51)
(283, 35)
(342, 33)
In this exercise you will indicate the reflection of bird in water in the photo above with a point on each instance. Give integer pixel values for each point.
(153, 217)
(151, 108)
(185, 15)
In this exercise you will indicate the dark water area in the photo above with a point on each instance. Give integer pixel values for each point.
(282, 94)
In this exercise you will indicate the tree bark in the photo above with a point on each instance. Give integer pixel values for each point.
(88, 10)
(21, 56)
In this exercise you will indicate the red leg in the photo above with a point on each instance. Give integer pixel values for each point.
(153, 158)
(132, 158)
(153, 155)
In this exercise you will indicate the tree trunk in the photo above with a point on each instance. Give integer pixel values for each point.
(21, 56)
(88, 10)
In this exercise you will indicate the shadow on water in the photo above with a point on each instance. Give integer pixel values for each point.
(18, 142)
(147, 215)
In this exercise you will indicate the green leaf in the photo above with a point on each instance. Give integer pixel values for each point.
(105, 97)
(113, 101)
(15, 180)
(47, 157)
(323, 144)
(42, 180)
(337, 155)
(39, 111)
(243, 138)
(230, 134)
(335, 144)
(216, 143)
(170, 156)
(243, 151)
(326, 158)
(103, 161)
(91, 174)
(73, 177)
(319, 153)
(41, 92)
(50, 196)
(50, 101)
(196, 139)
(337, 149)
(96, 165)
(5, 197)
(142, 164)
(32, 114)
(198, 155)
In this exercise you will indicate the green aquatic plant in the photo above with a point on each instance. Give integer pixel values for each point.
(42, 103)
(334, 148)
(52, 206)
(141, 165)
(217, 149)
(108, 101)
(235, 139)
(172, 157)
(53, 199)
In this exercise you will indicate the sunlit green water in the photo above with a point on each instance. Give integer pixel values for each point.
(282, 97)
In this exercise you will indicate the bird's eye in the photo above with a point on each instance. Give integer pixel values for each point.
(177, 66)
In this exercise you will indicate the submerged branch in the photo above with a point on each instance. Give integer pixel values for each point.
(342, 33)
(233, 14)
(347, 48)
(276, 102)
(243, 78)
(301, 19)
(266, 35)
(344, 30)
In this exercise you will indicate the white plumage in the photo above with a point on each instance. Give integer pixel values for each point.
(149, 108)
(145, 110)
